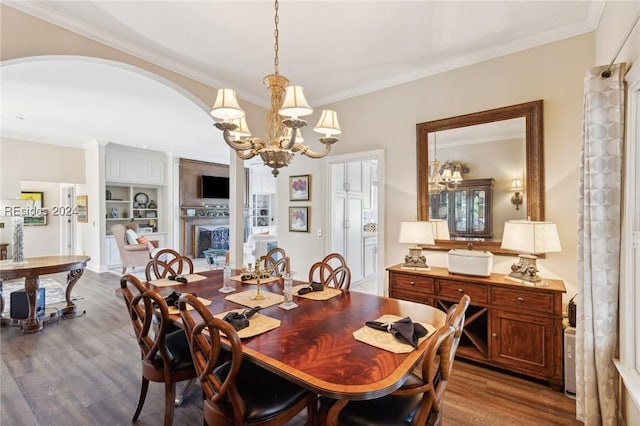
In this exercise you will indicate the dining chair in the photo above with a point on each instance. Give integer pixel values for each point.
(332, 271)
(276, 259)
(166, 357)
(238, 392)
(168, 262)
(411, 404)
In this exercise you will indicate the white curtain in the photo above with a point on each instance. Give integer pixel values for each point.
(600, 199)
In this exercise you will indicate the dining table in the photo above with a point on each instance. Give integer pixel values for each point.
(314, 344)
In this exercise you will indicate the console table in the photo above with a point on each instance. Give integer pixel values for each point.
(30, 270)
(513, 326)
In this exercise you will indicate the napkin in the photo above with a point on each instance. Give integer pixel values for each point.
(172, 299)
(315, 286)
(404, 330)
(240, 320)
(179, 278)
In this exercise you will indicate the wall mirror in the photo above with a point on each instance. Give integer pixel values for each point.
(502, 144)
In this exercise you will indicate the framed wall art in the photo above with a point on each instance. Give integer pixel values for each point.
(35, 208)
(299, 219)
(83, 208)
(300, 188)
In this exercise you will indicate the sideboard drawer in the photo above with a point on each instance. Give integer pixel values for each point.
(412, 283)
(529, 300)
(455, 290)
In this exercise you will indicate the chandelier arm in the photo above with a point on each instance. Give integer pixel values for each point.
(237, 145)
(246, 155)
(304, 150)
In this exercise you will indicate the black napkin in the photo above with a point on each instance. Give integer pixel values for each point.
(172, 299)
(179, 278)
(315, 286)
(404, 330)
(240, 320)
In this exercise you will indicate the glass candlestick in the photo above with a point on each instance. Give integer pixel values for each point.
(227, 285)
(288, 291)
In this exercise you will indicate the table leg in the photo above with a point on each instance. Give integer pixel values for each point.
(32, 323)
(72, 279)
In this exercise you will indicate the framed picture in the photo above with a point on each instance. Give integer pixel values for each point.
(299, 219)
(300, 188)
(35, 208)
(83, 208)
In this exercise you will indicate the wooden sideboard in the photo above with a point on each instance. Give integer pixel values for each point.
(513, 326)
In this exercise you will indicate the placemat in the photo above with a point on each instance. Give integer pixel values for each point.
(166, 282)
(326, 294)
(385, 340)
(245, 298)
(258, 324)
(174, 310)
(255, 280)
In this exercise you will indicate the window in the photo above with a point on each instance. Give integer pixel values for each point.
(629, 339)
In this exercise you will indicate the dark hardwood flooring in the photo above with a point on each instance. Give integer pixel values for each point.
(86, 370)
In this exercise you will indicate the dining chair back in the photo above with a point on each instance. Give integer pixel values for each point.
(409, 405)
(168, 262)
(237, 392)
(276, 259)
(332, 271)
(165, 356)
(455, 318)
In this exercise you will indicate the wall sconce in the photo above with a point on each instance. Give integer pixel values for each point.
(416, 233)
(516, 199)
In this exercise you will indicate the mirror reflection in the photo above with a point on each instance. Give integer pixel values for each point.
(477, 171)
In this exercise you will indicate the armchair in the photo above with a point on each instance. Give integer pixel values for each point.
(132, 253)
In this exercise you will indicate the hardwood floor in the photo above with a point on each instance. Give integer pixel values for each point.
(86, 370)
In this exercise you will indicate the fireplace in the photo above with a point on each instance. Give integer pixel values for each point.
(210, 237)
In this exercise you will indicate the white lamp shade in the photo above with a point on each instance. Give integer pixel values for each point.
(447, 175)
(516, 185)
(457, 177)
(440, 229)
(416, 233)
(328, 123)
(294, 103)
(530, 237)
(226, 106)
(242, 130)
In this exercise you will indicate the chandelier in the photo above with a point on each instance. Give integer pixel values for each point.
(282, 125)
(446, 179)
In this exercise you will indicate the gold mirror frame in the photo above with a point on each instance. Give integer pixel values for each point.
(532, 112)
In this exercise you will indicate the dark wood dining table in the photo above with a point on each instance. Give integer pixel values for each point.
(314, 345)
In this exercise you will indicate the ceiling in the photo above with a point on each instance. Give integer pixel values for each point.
(335, 49)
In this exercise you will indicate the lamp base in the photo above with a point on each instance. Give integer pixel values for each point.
(415, 260)
(525, 270)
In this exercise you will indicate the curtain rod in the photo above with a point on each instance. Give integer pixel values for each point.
(607, 73)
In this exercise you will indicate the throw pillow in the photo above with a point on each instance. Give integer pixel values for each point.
(132, 237)
(143, 240)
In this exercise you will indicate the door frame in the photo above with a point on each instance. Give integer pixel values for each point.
(376, 154)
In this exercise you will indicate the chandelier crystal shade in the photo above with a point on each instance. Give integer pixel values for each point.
(282, 125)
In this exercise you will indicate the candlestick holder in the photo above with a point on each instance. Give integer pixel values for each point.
(227, 285)
(288, 291)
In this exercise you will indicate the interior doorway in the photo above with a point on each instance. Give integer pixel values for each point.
(355, 215)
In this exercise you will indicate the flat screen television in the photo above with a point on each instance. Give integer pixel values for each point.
(214, 186)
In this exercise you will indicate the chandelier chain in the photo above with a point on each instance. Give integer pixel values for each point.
(276, 33)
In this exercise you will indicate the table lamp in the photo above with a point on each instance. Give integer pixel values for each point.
(416, 233)
(531, 238)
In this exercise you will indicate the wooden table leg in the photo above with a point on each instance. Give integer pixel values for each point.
(32, 323)
(72, 278)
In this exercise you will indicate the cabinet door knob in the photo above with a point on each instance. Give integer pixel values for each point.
(494, 335)
(460, 290)
(520, 299)
(412, 282)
